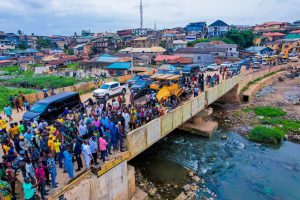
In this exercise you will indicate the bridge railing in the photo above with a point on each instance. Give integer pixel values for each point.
(143, 137)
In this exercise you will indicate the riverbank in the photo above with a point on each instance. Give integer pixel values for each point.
(241, 117)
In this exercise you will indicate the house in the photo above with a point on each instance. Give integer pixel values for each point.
(196, 27)
(105, 43)
(145, 42)
(231, 50)
(179, 44)
(62, 44)
(164, 58)
(285, 46)
(261, 50)
(107, 58)
(6, 46)
(4, 63)
(217, 29)
(200, 56)
(271, 27)
(273, 36)
(119, 68)
(180, 62)
(79, 49)
(150, 51)
(124, 32)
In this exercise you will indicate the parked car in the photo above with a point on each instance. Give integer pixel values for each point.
(141, 84)
(256, 65)
(193, 68)
(110, 89)
(226, 65)
(51, 107)
(142, 92)
(134, 79)
(213, 67)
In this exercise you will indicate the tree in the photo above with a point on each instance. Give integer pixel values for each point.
(70, 52)
(23, 45)
(20, 32)
(243, 39)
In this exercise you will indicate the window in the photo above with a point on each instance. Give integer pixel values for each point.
(230, 49)
(199, 57)
(114, 85)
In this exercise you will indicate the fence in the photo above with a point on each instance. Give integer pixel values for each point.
(143, 137)
(31, 98)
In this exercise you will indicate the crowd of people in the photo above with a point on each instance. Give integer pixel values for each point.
(89, 134)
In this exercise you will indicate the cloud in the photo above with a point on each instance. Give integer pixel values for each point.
(69, 16)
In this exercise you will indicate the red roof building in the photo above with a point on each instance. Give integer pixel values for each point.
(181, 60)
(161, 58)
(273, 36)
(295, 32)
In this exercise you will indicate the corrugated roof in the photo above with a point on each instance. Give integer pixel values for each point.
(119, 65)
(160, 58)
(295, 32)
(107, 58)
(292, 36)
(273, 34)
(190, 50)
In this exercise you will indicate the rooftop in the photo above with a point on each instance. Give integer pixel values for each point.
(119, 65)
(191, 50)
(273, 34)
(219, 23)
(144, 50)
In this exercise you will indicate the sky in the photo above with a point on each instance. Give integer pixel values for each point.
(64, 17)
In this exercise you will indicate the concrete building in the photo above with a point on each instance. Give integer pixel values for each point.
(271, 27)
(273, 36)
(201, 56)
(217, 29)
(179, 44)
(146, 42)
(196, 27)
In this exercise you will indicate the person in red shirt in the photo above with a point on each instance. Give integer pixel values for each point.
(41, 179)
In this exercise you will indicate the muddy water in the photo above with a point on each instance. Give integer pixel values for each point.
(233, 169)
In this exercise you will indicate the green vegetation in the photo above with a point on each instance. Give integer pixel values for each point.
(6, 92)
(269, 111)
(243, 39)
(14, 70)
(36, 65)
(225, 40)
(266, 135)
(40, 82)
(257, 80)
(286, 125)
(73, 66)
(45, 43)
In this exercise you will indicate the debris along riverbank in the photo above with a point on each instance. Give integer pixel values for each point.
(272, 108)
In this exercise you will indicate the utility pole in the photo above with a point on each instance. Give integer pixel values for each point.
(141, 13)
(155, 25)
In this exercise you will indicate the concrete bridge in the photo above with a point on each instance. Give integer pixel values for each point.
(116, 179)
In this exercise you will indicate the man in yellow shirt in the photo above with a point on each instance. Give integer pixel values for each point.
(3, 124)
(13, 131)
(58, 152)
(51, 143)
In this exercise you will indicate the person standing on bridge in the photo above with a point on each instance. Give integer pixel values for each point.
(87, 154)
(68, 162)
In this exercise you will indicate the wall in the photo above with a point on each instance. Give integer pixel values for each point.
(113, 185)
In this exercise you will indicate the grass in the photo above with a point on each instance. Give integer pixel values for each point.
(73, 66)
(40, 82)
(6, 92)
(268, 111)
(286, 125)
(14, 70)
(266, 135)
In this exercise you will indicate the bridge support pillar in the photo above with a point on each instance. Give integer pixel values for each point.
(200, 125)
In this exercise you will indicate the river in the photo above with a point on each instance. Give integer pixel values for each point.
(234, 169)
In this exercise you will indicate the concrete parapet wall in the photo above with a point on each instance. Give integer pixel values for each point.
(113, 185)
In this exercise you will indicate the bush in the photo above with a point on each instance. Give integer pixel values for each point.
(285, 125)
(5, 92)
(266, 135)
(269, 111)
(42, 82)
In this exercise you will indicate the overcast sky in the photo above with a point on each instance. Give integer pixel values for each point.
(65, 17)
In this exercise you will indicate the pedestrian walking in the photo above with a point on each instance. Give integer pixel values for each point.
(68, 162)
(87, 154)
(52, 170)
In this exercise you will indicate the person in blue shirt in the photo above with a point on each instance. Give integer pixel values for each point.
(68, 162)
(114, 132)
(29, 135)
